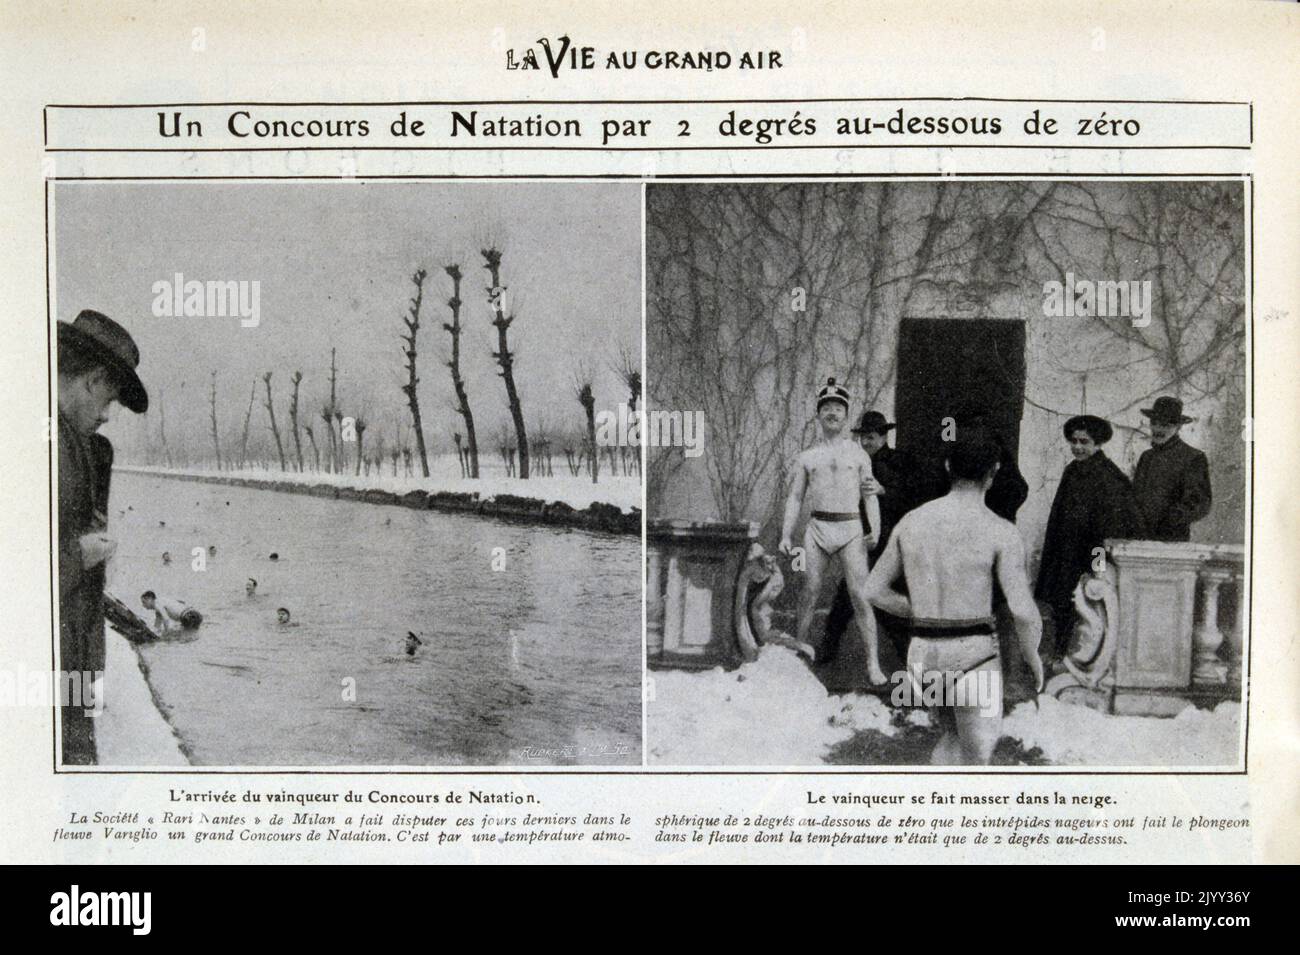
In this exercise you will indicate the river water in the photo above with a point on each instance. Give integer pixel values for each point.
(535, 663)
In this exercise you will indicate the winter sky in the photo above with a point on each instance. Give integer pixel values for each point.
(335, 262)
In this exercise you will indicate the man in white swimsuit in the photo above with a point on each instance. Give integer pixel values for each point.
(835, 474)
(948, 552)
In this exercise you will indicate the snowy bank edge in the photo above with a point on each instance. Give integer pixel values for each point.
(595, 516)
(134, 729)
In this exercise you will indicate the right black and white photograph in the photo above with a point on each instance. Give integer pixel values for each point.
(948, 473)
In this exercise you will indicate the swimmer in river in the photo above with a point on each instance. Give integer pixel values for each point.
(274, 556)
(170, 615)
(282, 617)
(949, 552)
(167, 557)
(212, 550)
(413, 643)
(250, 587)
(835, 474)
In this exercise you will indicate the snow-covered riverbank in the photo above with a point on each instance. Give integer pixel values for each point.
(775, 712)
(131, 731)
(623, 492)
(566, 501)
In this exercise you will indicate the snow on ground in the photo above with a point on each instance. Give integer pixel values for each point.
(131, 731)
(622, 491)
(772, 712)
(1071, 735)
(775, 712)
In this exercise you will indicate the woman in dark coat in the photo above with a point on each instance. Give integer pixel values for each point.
(1093, 502)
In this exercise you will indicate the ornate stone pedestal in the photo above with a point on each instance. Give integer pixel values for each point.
(1167, 653)
(691, 571)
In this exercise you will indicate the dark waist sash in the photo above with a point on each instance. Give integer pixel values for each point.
(835, 515)
(941, 629)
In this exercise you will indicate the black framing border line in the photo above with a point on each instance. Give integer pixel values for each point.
(1250, 554)
(613, 149)
(665, 102)
(1015, 772)
(848, 772)
(53, 435)
(669, 179)
(1249, 104)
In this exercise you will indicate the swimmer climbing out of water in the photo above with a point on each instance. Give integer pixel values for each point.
(948, 553)
(170, 615)
(835, 474)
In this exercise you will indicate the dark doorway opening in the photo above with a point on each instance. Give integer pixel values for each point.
(958, 368)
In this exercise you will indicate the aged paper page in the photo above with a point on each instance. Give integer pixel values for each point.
(720, 433)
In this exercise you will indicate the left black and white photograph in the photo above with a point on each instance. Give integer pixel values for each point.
(346, 473)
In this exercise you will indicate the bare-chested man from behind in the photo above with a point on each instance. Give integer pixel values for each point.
(835, 474)
(948, 552)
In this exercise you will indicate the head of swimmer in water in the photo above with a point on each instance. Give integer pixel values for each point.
(250, 587)
(149, 599)
(412, 643)
(282, 615)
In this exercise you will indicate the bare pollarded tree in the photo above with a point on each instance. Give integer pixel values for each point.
(343, 451)
(248, 417)
(162, 429)
(410, 389)
(275, 429)
(293, 418)
(628, 370)
(540, 435)
(506, 449)
(315, 451)
(582, 391)
(212, 406)
(460, 454)
(327, 415)
(504, 356)
(453, 328)
(360, 425)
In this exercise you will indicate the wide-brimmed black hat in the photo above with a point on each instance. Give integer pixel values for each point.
(98, 336)
(1098, 429)
(1167, 410)
(873, 422)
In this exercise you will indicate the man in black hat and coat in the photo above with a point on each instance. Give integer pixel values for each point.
(96, 366)
(1172, 480)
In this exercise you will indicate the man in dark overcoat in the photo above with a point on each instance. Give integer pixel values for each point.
(96, 366)
(1172, 480)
